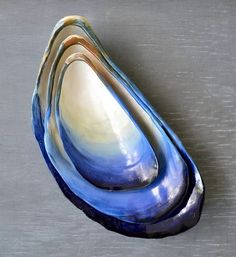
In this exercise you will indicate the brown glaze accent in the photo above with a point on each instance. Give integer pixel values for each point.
(80, 40)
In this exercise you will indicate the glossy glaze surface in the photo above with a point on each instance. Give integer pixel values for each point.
(110, 152)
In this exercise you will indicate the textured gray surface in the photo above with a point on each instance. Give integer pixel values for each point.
(182, 55)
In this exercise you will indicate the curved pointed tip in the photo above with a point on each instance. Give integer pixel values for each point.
(71, 19)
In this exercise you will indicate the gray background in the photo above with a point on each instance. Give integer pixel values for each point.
(182, 56)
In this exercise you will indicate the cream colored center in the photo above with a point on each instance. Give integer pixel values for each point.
(91, 111)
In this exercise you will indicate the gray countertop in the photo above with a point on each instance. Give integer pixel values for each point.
(182, 56)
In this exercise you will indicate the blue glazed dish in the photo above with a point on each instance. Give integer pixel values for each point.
(111, 154)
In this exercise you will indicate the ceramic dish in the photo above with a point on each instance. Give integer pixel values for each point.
(110, 152)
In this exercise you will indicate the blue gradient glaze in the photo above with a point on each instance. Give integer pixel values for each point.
(109, 172)
(122, 161)
(171, 203)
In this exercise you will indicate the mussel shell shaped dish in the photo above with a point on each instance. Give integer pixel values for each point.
(111, 154)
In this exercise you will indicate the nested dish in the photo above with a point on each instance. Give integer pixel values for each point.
(110, 152)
